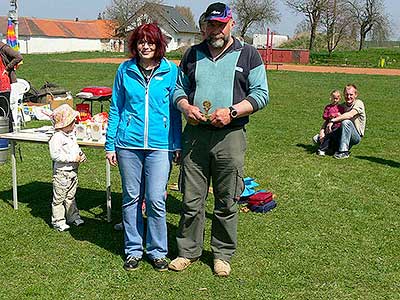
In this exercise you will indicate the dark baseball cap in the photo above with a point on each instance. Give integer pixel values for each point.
(218, 12)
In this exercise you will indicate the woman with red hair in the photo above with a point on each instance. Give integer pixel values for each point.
(143, 137)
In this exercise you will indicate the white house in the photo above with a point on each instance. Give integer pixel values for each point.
(179, 31)
(52, 35)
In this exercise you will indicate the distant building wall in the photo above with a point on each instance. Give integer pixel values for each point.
(181, 40)
(53, 45)
(175, 39)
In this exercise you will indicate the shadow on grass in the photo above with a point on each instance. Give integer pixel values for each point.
(378, 160)
(308, 148)
(37, 195)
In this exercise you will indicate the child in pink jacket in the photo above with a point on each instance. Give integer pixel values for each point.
(332, 110)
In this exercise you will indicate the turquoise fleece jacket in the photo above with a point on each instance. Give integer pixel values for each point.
(142, 115)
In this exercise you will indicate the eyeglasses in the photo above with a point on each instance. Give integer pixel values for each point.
(143, 43)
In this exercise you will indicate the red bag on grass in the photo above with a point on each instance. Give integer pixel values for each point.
(260, 198)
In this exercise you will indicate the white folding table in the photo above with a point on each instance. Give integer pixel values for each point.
(43, 138)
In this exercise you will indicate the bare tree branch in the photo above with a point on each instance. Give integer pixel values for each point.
(336, 22)
(369, 15)
(186, 12)
(122, 10)
(312, 10)
(252, 13)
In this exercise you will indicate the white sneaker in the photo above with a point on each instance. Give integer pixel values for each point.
(78, 222)
(315, 139)
(61, 227)
(320, 152)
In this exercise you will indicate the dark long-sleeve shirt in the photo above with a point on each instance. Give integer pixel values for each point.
(10, 59)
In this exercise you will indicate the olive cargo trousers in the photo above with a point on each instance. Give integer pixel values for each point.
(216, 155)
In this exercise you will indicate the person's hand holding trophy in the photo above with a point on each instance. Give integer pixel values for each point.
(192, 113)
(207, 106)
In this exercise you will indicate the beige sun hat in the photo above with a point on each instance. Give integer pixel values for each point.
(63, 115)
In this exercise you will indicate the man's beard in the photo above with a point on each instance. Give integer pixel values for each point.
(218, 43)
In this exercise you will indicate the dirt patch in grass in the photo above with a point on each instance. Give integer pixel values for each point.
(284, 67)
(347, 70)
(107, 60)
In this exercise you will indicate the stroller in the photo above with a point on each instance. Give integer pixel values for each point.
(40, 96)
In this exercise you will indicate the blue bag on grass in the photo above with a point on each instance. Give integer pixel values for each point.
(263, 208)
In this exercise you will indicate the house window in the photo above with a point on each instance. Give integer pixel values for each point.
(179, 41)
(184, 21)
(175, 21)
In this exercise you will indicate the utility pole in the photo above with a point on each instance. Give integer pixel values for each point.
(13, 15)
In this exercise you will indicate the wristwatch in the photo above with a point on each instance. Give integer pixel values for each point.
(233, 112)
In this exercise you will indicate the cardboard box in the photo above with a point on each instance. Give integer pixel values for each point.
(57, 101)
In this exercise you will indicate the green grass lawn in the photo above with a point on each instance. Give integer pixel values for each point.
(335, 233)
(367, 58)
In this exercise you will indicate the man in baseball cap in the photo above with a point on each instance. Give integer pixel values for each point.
(218, 30)
(221, 83)
(218, 12)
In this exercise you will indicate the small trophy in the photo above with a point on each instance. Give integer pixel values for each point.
(207, 106)
(96, 131)
(80, 132)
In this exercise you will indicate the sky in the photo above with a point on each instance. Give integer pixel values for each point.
(89, 9)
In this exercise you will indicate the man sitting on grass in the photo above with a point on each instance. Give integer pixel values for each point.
(353, 123)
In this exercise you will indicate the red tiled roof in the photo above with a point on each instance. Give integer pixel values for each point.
(91, 29)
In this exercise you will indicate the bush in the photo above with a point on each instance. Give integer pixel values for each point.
(302, 40)
(177, 54)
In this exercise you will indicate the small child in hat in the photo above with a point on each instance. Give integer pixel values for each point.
(66, 155)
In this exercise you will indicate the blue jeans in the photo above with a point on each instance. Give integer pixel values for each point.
(144, 173)
(349, 136)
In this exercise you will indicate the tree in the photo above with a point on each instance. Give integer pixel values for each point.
(382, 31)
(250, 13)
(335, 22)
(122, 10)
(187, 13)
(369, 15)
(312, 10)
(302, 27)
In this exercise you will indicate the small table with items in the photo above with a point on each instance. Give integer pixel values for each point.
(95, 93)
(38, 135)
